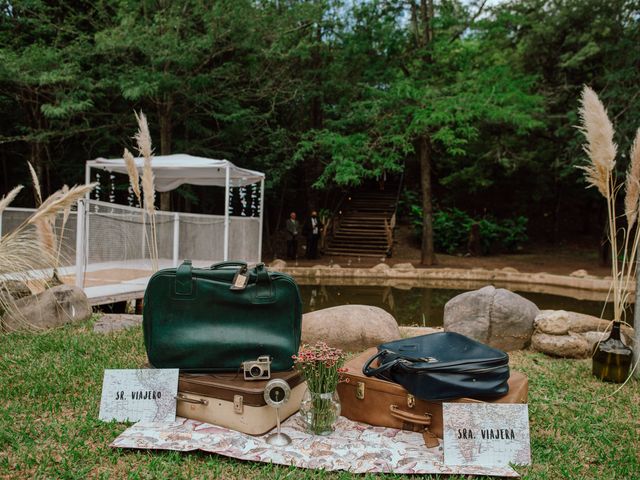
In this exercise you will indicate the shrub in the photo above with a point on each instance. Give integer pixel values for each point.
(451, 229)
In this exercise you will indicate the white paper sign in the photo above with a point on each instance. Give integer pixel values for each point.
(486, 434)
(139, 395)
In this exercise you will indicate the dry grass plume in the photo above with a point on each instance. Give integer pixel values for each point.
(132, 170)
(61, 202)
(600, 148)
(143, 140)
(632, 183)
(9, 198)
(31, 247)
(36, 184)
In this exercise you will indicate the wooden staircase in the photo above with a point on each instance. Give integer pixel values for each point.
(365, 227)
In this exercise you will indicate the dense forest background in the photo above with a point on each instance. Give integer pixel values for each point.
(477, 104)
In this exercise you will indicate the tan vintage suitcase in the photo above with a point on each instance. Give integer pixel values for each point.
(386, 404)
(229, 401)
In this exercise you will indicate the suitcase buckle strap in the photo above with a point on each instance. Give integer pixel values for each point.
(184, 281)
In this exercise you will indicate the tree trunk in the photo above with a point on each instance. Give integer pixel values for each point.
(424, 152)
(36, 147)
(313, 166)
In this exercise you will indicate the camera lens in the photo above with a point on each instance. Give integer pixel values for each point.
(255, 371)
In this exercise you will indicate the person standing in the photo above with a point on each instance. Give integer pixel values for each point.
(312, 229)
(293, 230)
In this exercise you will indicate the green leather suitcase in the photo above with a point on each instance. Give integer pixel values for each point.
(213, 319)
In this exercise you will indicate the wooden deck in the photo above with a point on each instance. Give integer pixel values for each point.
(115, 281)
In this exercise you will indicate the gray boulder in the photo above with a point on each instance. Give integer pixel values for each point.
(14, 289)
(561, 322)
(352, 328)
(277, 265)
(381, 267)
(51, 308)
(493, 316)
(404, 266)
(570, 334)
(572, 345)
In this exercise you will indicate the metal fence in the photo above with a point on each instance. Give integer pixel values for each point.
(115, 237)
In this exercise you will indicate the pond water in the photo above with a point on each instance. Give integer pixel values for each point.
(424, 306)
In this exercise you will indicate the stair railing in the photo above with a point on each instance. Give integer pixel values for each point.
(332, 223)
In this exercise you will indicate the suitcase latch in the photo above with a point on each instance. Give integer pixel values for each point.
(411, 401)
(360, 390)
(238, 404)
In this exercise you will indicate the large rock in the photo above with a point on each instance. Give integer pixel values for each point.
(561, 322)
(404, 266)
(494, 316)
(10, 291)
(51, 308)
(568, 346)
(570, 334)
(381, 267)
(350, 327)
(14, 289)
(277, 265)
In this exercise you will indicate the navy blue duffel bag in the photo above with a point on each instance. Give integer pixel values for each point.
(442, 366)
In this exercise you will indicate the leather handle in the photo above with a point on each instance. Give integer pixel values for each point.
(183, 398)
(424, 419)
(234, 263)
(264, 289)
(370, 372)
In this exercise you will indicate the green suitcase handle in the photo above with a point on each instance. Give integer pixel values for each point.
(264, 289)
(219, 265)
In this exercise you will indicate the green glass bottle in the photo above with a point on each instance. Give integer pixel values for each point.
(612, 358)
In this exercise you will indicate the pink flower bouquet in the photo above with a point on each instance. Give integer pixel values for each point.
(321, 367)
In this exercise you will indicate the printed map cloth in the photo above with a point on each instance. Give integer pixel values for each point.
(353, 447)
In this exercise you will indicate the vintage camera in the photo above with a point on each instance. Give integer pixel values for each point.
(259, 369)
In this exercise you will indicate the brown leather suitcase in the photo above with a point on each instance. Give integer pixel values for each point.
(228, 400)
(386, 404)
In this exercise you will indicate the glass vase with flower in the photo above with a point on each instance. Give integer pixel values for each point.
(321, 366)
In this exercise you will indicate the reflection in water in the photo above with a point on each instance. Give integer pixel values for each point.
(425, 306)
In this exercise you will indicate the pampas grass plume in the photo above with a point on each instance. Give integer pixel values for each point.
(632, 183)
(9, 197)
(148, 186)
(598, 130)
(36, 183)
(67, 210)
(62, 202)
(46, 235)
(142, 136)
(132, 170)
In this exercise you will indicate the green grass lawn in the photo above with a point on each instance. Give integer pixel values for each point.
(50, 387)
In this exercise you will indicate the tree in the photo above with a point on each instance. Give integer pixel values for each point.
(438, 92)
(43, 54)
(568, 44)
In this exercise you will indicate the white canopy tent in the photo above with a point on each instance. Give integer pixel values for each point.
(171, 171)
